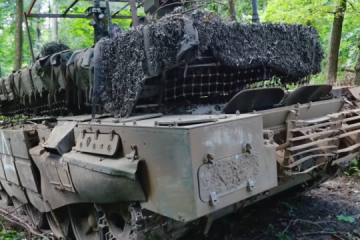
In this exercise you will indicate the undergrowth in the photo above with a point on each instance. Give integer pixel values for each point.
(10, 234)
(353, 169)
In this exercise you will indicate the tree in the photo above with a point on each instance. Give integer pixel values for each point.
(357, 66)
(54, 26)
(18, 34)
(334, 44)
(319, 13)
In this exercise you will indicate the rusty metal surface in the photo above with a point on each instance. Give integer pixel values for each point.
(26, 174)
(228, 175)
(104, 144)
(61, 137)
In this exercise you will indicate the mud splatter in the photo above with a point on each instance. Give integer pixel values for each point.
(228, 175)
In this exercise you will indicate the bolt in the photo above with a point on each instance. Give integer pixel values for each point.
(101, 146)
(237, 112)
(109, 148)
(94, 146)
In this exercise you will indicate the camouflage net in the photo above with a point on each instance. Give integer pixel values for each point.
(52, 47)
(293, 49)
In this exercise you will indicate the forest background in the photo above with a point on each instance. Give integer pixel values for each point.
(337, 22)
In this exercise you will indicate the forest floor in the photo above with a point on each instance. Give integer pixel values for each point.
(329, 212)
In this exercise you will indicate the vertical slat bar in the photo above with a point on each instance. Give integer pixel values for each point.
(133, 13)
(29, 38)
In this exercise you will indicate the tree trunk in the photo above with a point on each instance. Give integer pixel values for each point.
(357, 66)
(334, 44)
(38, 27)
(54, 27)
(18, 35)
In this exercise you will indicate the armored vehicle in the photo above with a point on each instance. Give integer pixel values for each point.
(165, 127)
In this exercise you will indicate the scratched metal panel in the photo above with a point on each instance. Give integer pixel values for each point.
(166, 171)
(26, 174)
(65, 178)
(225, 140)
(172, 157)
(36, 200)
(61, 138)
(228, 175)
(14, 190)
(2, 171)
(50, 162)
(5, 147)
(18, 142)
(10, 169)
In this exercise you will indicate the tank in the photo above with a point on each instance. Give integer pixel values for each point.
(131, 141)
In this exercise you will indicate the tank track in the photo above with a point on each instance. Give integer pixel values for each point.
(149, 225)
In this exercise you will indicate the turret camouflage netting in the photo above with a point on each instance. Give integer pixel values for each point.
(292, 49)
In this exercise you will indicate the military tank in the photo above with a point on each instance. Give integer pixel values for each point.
(169, 125)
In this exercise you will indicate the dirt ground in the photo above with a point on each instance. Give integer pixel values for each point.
(311, 216)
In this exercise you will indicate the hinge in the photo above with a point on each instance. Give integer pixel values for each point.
(213, 198)
(111, 134)
(133, 155)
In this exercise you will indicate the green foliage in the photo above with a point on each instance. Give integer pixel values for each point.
(353, 169)
(283, 236)
(77, 33)
(319, 13)
(345, 218)
(290, 208)
(10, 234)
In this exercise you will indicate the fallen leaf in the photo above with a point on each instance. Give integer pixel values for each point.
(345, 218)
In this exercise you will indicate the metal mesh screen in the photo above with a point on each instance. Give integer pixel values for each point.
(214, 80)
